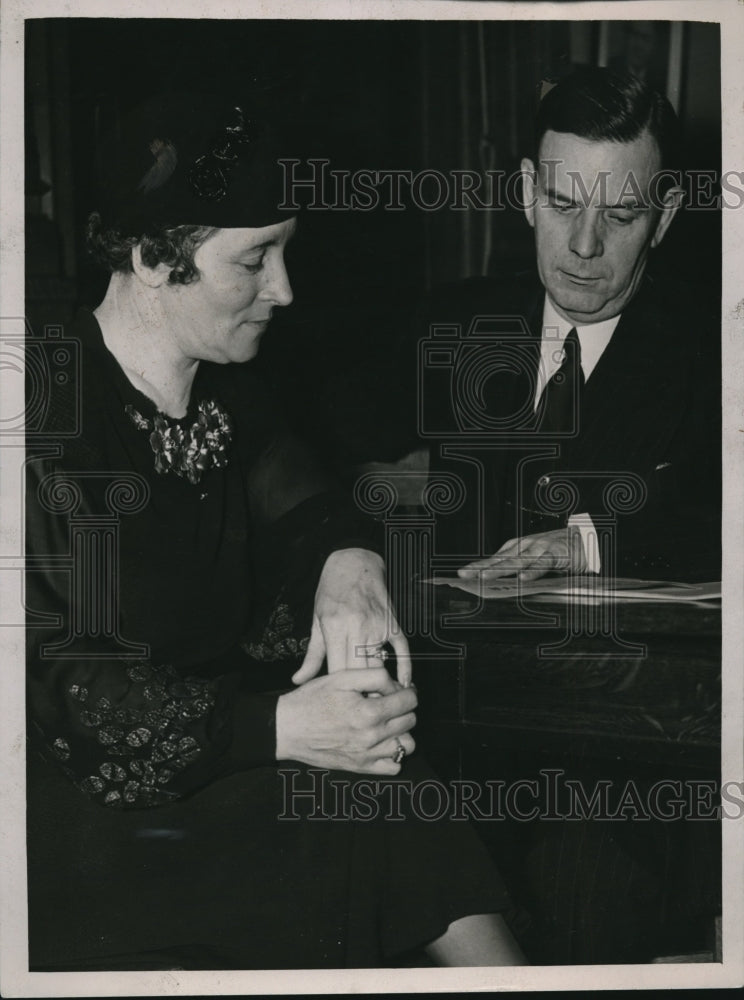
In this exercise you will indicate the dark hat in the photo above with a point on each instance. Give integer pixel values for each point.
(186, 159)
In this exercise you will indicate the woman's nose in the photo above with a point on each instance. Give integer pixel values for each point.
(586, 240)
(278, 288)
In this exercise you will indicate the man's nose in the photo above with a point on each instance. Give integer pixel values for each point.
(277, 287)
(586, 239)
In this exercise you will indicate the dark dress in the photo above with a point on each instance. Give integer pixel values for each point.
(159, 833)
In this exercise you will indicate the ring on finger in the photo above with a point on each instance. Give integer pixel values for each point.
(378, 653)
(400, 752)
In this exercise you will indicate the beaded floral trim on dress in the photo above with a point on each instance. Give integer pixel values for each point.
(143, 748)
(190, 452)
(278, 641)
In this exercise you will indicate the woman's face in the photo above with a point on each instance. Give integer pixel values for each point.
(222, 315)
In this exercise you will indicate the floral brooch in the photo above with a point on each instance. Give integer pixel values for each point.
(192, 451)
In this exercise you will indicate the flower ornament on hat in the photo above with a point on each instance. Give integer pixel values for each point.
(185, 159)
(166, 160)
(209, 176)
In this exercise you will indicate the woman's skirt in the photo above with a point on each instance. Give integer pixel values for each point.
(274, 868)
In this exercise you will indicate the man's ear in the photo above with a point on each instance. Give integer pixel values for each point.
(529, 189)
(153, 277)
(669, 208)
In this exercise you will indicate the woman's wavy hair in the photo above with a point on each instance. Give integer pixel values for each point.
(171, 245)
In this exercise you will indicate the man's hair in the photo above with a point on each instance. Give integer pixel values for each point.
(595, 103)
(171, 245)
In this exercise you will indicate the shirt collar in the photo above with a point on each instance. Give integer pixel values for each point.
(553, 320)
(593, 337)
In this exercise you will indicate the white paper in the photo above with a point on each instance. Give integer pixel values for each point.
(580, 587)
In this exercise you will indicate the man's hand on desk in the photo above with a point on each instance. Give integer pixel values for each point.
(532, 556)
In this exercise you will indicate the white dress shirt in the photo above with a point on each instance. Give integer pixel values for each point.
(593, 339)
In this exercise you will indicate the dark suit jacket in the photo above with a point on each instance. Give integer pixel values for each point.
(649, 422)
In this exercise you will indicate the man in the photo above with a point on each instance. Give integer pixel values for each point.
(583, 423)
(622, 411)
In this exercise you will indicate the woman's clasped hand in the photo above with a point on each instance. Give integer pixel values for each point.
(357, 717)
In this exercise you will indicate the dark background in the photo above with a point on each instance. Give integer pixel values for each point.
(373, 95)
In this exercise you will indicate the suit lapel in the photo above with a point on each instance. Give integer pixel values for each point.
(629, 407)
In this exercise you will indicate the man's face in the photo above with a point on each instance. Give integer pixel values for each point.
(592, 230)
(222, 314)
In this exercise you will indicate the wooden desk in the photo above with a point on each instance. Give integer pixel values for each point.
(587, 889)
(657, 704)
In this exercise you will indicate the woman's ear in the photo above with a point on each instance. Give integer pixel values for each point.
(153, 277)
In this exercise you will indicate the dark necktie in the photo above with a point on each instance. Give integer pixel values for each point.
(558, 412)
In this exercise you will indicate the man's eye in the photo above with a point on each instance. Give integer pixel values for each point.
(561, 207)
(623, 218)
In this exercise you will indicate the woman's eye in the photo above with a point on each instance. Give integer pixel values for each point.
(254, 267)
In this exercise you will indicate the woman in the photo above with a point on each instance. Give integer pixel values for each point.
(160, 836)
